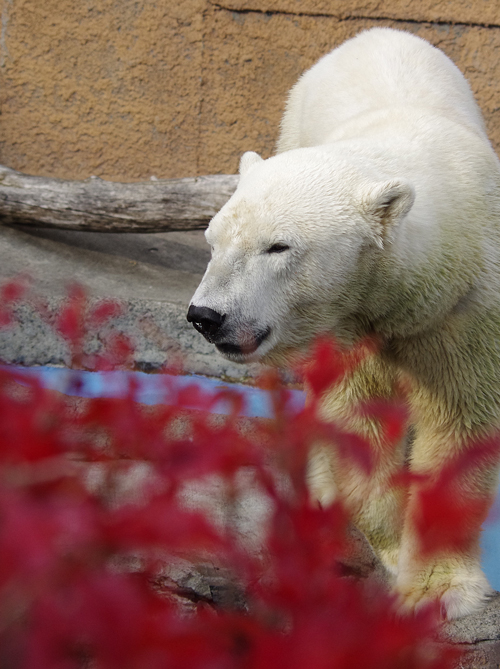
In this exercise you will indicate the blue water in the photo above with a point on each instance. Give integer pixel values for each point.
(155, 388)
(163, 389)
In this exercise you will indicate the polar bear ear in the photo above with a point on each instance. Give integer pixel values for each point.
(387, 203)
(248, 160)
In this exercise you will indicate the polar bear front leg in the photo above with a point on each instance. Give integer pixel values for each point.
(320, 476)
(449, 574)
(376, 507)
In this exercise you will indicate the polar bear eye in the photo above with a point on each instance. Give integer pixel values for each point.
(277, 248)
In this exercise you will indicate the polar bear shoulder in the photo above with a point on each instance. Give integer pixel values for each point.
(377, 69)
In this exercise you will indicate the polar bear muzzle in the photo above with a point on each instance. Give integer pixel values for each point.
(249, 343)
(234, 342)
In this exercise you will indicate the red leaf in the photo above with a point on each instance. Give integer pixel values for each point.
(103, 312)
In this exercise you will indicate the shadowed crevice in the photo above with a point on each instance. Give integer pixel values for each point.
(354, 17)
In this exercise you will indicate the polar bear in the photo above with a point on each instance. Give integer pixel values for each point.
(379, 215)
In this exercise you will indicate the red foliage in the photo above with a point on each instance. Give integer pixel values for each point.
(11, 293)
(448, 509)
(330, 363)
(67, 597)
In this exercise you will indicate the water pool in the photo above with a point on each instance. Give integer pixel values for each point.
(152, 389)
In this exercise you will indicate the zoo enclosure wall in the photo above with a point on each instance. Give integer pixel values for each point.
(127, 89)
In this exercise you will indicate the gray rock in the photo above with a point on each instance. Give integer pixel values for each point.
(478, 635)
(147, 273)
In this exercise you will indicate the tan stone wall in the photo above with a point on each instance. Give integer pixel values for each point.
(126, 89)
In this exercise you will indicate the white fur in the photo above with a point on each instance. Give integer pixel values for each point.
(377, 69)
(384, 197)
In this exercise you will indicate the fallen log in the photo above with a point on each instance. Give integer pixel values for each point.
(106, 206)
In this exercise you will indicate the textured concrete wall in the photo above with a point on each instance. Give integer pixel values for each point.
(126, 89)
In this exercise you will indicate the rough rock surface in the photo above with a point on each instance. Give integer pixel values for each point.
(152, 276)
(479, 636)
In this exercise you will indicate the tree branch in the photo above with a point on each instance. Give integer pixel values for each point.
(107, 206)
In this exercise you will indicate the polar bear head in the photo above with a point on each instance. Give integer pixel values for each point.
(293, 252)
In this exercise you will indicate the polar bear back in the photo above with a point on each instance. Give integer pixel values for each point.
(379, 68)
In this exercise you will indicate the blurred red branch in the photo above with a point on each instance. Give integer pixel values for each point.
(77, 568)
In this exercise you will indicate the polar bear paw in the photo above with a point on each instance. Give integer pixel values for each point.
(460, 589)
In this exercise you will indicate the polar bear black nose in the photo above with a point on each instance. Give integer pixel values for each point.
(205, 320)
